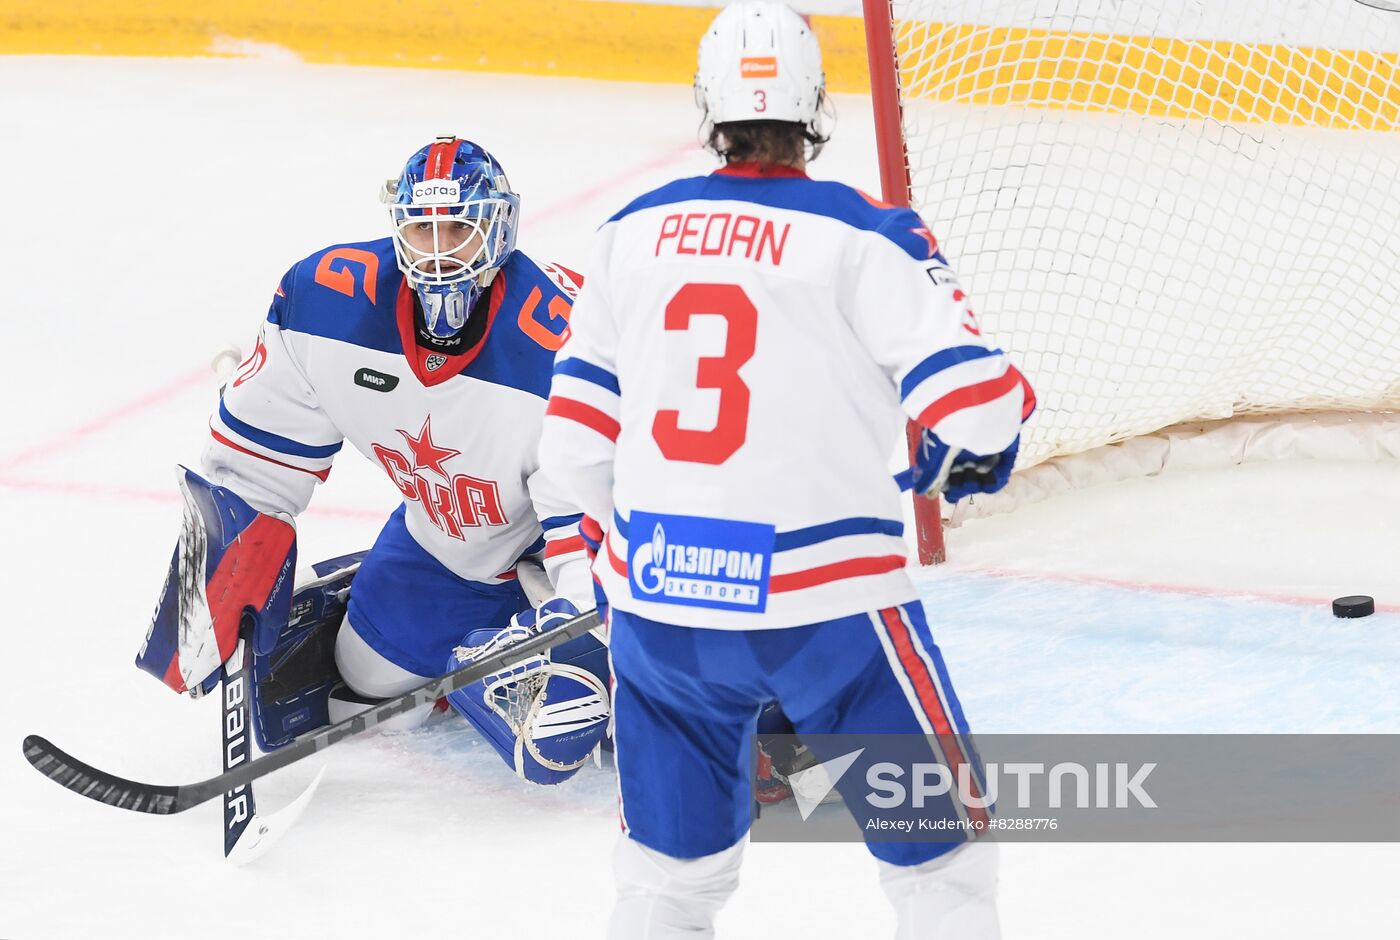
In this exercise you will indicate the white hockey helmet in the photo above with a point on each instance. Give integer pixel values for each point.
(759, 61)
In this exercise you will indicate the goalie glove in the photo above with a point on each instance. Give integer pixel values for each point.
(954, 474)
(231, 563)
(544, 716)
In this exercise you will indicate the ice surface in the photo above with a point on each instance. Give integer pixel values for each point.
(152, 207)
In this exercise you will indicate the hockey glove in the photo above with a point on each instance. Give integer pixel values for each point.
(543, 716)
(957, 474)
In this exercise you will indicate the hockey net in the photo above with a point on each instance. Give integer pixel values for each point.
(1175, 214)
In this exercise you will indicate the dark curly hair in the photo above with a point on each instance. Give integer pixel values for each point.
(769, 142)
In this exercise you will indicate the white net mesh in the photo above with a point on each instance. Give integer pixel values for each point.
(1167, 210)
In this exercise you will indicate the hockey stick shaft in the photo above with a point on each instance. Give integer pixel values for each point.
(88, 781)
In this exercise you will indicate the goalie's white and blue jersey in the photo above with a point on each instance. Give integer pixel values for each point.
(736, 377)
(456, 433)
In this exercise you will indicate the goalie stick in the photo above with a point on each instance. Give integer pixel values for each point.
(247, 832)
(240, 804)
(88, 781)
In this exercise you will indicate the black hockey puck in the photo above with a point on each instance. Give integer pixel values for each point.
(1356, 605)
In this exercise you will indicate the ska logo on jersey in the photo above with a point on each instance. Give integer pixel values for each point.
(700, 562)
(452, 502)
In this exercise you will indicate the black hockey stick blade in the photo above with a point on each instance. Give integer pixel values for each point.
(85, 780)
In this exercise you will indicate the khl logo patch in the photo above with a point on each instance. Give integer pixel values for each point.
(700, 562)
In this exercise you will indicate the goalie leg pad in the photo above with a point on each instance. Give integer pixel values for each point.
(293, 677)
(319, 670)
(544, 717)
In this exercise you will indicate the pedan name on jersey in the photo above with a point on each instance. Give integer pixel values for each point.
(700, 562)
(723, 233)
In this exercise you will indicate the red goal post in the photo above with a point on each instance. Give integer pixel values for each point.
(894, 186)
(1180, 219)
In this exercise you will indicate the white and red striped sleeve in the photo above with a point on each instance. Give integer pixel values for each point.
(269, 440)
(565, 557)
(912, 316)
(582, 422)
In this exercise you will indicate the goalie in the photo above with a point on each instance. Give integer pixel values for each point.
(430, 351)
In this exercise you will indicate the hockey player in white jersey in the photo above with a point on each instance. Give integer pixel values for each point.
(430, 352)
(739, 366)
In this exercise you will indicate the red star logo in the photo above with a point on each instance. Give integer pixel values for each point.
(425, 452)
(923, 232)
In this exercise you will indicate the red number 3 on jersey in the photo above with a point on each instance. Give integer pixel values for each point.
(718, 444)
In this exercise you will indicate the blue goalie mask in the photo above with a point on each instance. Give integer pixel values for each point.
(454, 218)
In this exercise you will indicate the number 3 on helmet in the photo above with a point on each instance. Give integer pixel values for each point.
(454, 221)
(760, 62)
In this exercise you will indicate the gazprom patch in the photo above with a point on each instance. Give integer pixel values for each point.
(699, 562)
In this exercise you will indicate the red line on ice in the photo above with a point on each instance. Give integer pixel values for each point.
(625, 180)
(106, 420)
(120, 492)
(1164, 587)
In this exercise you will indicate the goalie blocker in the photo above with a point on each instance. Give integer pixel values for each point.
(234, 564)
(231, 563)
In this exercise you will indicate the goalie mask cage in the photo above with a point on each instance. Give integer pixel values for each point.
(1169, 212)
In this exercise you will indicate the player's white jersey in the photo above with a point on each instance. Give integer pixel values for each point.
(735, 380)
(455, 431)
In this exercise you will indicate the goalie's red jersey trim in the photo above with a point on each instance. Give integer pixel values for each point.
(318, 474)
